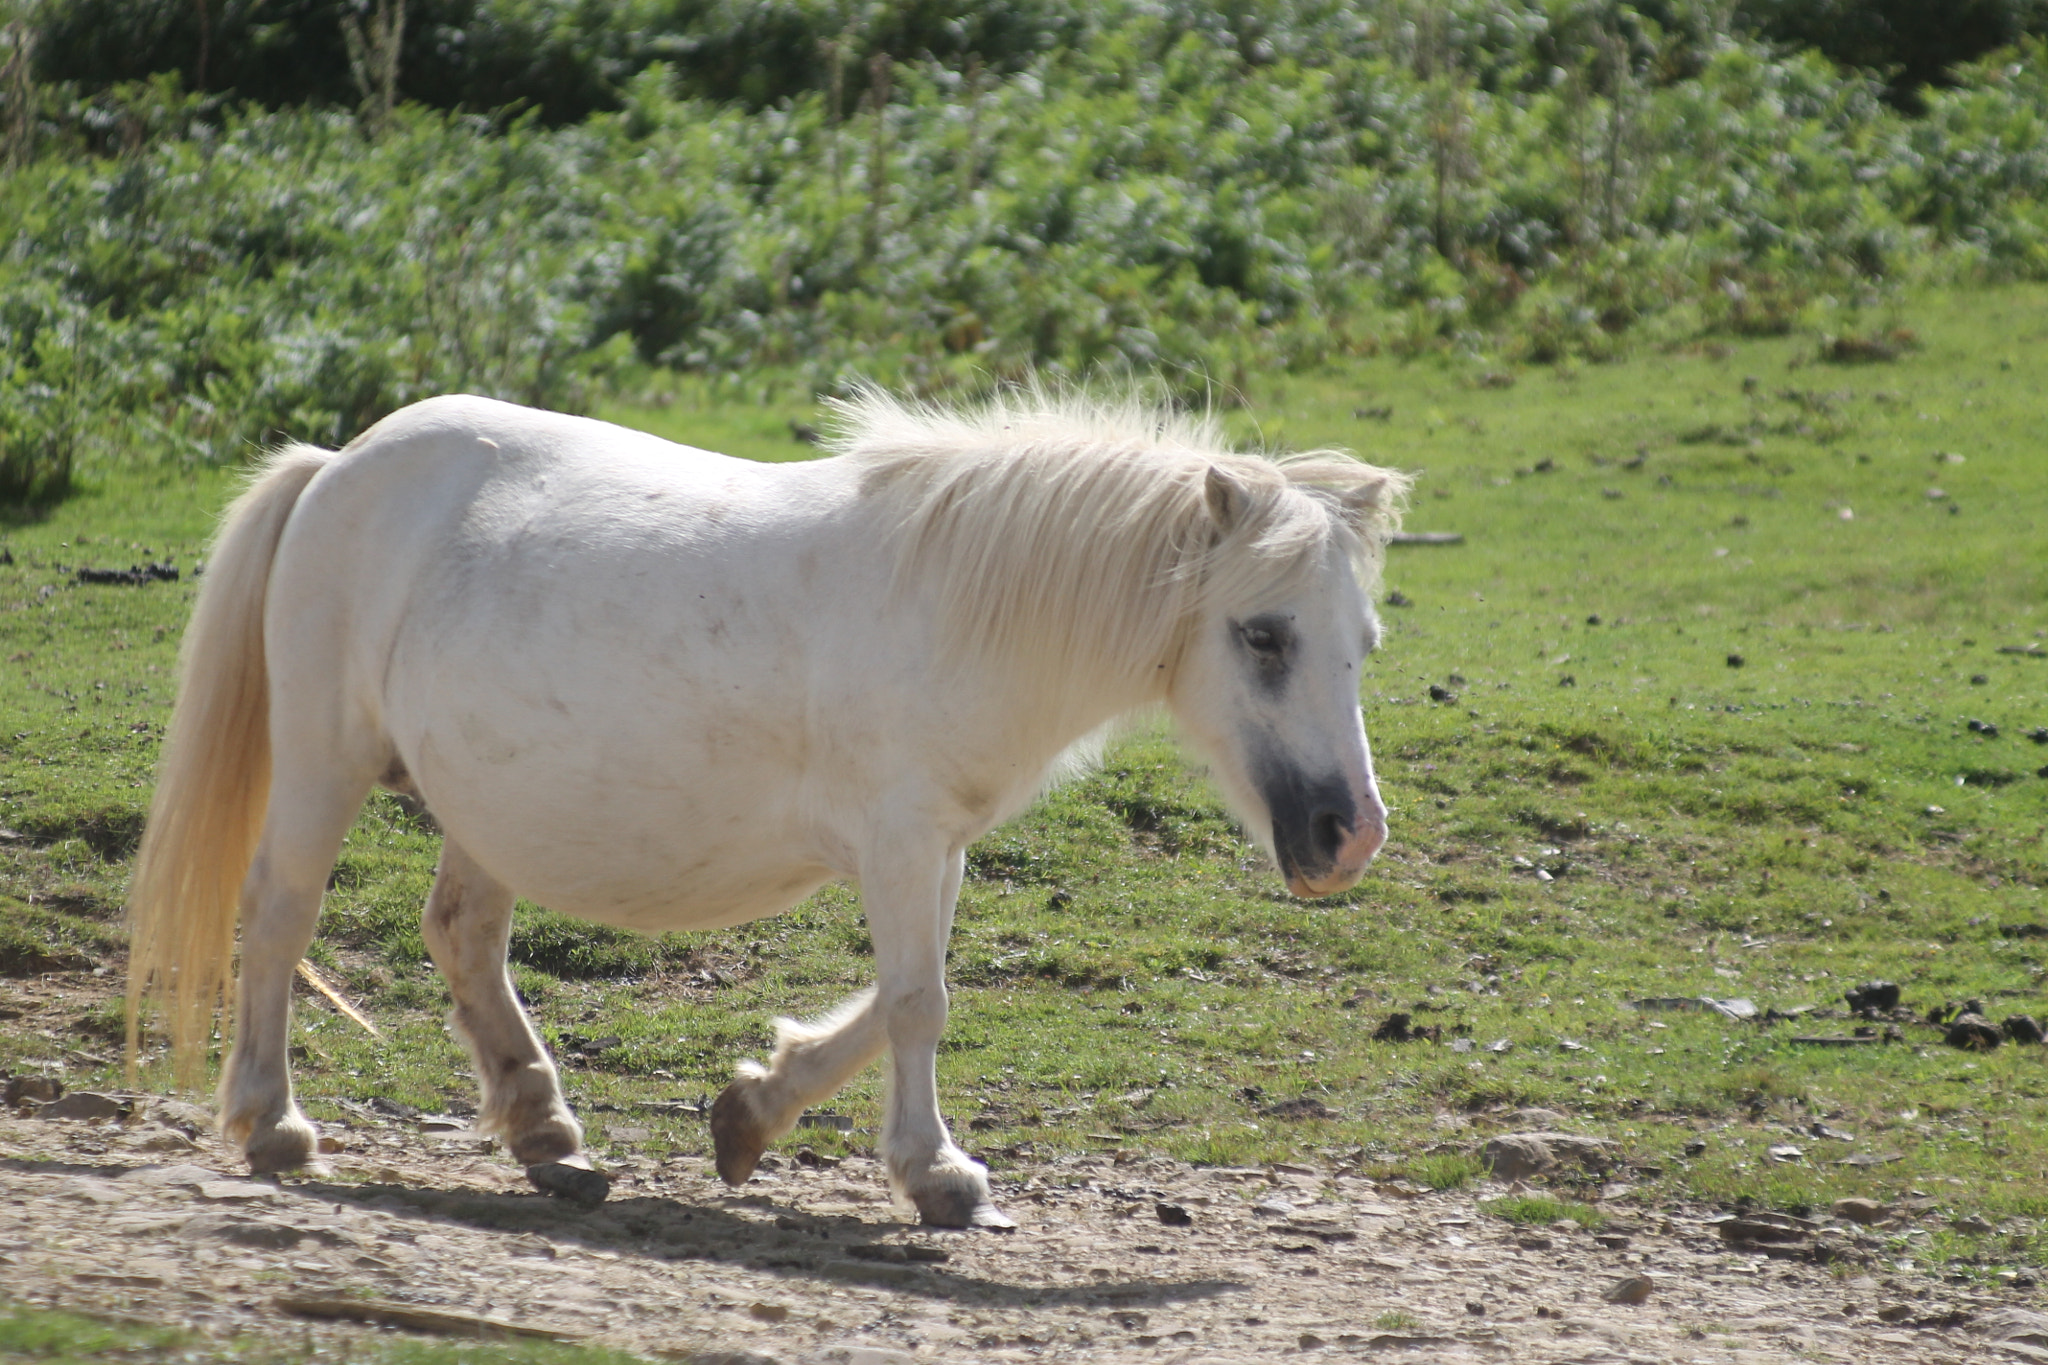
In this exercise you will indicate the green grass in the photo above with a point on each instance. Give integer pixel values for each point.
(1540, 1211)
(1782, 830)
(53, 1338)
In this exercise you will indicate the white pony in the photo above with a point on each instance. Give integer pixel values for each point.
(664, 689)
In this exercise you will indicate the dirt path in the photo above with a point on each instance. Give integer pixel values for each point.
(138, 1218)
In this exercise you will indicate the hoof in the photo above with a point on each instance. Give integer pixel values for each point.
(735, 1135)
(993, 1219)
(285, 1146)
(570, 1178)
(961, 1208)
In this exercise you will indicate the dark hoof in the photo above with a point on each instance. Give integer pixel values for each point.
(735, 1136)
(570, 1179)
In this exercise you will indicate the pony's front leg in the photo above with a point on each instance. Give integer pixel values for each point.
(910, 923)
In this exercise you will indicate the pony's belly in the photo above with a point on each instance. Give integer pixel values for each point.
(639, 881)
(629, 843)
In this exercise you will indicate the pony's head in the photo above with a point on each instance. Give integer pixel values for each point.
(1267, 677)
(1089, 559)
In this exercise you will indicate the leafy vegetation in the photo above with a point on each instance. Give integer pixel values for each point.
(1197, 194)
(1538, 1210)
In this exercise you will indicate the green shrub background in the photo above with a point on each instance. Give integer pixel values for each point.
(577, 197)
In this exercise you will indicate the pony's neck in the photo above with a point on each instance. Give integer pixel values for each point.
(1047, 705)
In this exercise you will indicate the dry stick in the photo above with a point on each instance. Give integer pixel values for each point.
(970, 162)
(388, 1313)
(334, 998)
(17, 91)
(880, 69)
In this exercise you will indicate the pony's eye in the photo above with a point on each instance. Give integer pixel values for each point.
(1264, 641)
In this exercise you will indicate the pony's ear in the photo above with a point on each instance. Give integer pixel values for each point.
(1366, 500)
(1229, 501)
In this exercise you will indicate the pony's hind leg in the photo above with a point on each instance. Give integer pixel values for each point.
(467, 926)
(302, 830)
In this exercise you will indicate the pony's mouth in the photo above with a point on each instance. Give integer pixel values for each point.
(1354, 849)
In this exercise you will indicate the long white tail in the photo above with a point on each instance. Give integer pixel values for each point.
(184, 899)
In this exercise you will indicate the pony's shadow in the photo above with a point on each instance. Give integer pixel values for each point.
(795, 1244)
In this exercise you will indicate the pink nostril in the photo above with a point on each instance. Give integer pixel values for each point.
(1366, 839)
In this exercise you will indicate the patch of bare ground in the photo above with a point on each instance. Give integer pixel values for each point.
(419, 1227)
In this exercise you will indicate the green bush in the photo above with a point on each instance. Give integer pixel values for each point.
(1194, 193)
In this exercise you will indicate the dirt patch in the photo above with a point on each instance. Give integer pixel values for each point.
(149, 1216)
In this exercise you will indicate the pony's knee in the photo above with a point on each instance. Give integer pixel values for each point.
(914, 1015)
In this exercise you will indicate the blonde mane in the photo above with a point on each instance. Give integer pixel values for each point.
(1072, 538)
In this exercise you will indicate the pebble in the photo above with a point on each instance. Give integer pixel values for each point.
(859, 1355)
(237, 1192)
(30, 1090)
(181, 1174)
(1864, 1211)
(1634, 1289)
(85, 1105)
(1517, 1156)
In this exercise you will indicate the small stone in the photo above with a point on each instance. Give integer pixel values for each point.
(1309, 1341)
(84, 1105)
(1530, 1120)
(1173, 1215)
(1972, 1032)
(21, 1090)
(863, 1355)
(1634, 1289)
(1518, 1156)
(330, 1145)
(1273, 1208)
(572, 1180)
(167, 1177)
(191, 1119)
(1863, 1211)
(1475, 1308)
(247, 1232)
(1897, 1312)
(1875, 997)
(236, 1192)
(1612, 1241)
(1973, 1226)
(769, 1312)
(168, 1141)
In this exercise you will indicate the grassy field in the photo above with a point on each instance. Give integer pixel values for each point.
(1727, 692)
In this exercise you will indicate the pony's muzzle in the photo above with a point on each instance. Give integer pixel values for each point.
(1344, 842)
